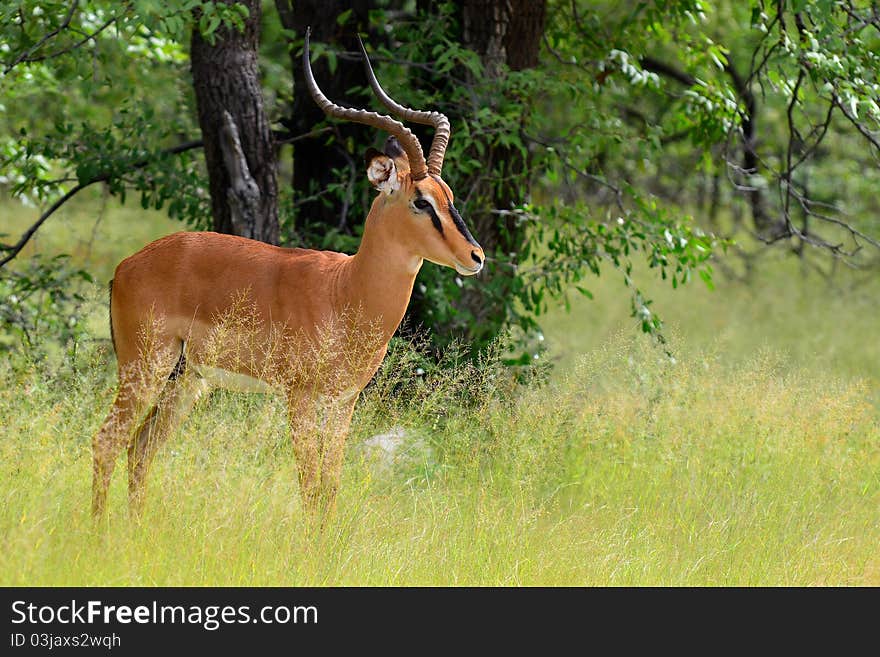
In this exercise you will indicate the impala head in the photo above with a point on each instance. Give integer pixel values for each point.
(411, 190)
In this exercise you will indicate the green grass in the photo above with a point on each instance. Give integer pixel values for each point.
(753, 459)
(822, 325)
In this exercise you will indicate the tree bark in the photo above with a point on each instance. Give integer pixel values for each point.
(316, 164)
(226, 78)
(507, 35)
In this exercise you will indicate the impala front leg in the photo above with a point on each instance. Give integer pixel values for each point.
(337, 423)
(319, 428)
(302, 418)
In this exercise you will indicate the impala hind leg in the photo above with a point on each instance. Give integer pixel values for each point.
(175, 403)
(140, 383)
(109, 441)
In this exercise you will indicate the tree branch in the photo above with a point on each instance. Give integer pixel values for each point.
(63, 51)
(14, 249)
(667, 70)
(856, 123)
(243, 194)
(600, 180)
(51, 35)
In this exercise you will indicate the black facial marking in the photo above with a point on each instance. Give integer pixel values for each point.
(457, 220)
(459, 223)
(430, 210)
(435, 219)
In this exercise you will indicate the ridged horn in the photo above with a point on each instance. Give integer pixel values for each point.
(436, 119)
(408, 141)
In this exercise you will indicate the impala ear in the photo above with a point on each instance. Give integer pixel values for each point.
(382, 172)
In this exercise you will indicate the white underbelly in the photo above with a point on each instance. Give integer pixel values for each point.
(216, 377)
(220, 378)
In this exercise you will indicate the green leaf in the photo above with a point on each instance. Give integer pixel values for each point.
(706, 275)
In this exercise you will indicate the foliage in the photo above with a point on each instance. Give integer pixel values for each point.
(42, 305)
(558, 238)
(637, 117)
(116, 76)
(778, 99)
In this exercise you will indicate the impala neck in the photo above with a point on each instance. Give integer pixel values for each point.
(381, 274)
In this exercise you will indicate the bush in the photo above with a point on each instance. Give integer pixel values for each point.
(43, 306)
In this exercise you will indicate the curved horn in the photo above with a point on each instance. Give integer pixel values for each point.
(407, 139)
(436, 119)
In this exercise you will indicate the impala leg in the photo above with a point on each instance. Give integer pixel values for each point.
(174, 405)
(319, 430)
(333, 452)
(304, 428)
(108, 443)
(140, 382)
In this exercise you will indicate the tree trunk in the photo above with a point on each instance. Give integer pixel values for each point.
(226, 78)
(503, 34)
(316, 164)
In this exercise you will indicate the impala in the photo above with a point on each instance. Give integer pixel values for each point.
(197, 310)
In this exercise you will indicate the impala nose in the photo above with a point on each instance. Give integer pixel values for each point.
(478, 258)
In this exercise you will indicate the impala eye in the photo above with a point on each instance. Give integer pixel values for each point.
(422, 204)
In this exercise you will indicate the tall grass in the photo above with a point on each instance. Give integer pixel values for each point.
(752, 459)
(627, 470)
